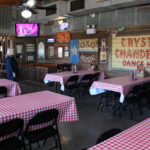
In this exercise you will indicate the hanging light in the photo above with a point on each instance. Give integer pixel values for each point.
(26, 13)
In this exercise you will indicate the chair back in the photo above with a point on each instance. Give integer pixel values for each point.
(72, 81)
(66, 67)
(86, 80)
(3, 90)
(59, 68)
(48, 116)
(108, 134)
(11, 126)
(96, 76)
(135, 90)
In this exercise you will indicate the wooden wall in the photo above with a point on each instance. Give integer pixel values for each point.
(100, 34)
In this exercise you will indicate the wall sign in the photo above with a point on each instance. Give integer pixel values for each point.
(88, 45)
(63, 37)
(130, 51)
(88, 58)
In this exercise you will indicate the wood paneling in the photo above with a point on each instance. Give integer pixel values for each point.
(37, 71)
(5, 3)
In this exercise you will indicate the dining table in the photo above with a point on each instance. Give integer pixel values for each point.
(136, 137)
(27, 105)
(121, 84)
(13, 88)
(61, 77)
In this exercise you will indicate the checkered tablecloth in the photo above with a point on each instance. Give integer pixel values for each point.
(13, 88)
(134, 138)
(62, 77)
(27, 105)
(121, 84)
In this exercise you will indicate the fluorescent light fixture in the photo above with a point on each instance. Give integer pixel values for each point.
(26, 13)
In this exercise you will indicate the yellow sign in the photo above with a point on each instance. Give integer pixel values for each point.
(130, 51)
(88, 45)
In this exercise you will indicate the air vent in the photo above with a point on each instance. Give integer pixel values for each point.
(51, 10)
(76, 5)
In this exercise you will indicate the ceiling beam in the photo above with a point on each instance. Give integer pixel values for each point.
(5, 3)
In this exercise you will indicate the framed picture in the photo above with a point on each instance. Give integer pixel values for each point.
(66, 48)
(66, 53)
(30, 47)
(60, 52)
(30, 58)
(19, 49)
(51, 51)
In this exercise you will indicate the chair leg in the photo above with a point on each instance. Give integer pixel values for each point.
(131, 115)
(59, 143)
(38, 144)
(99, 103)
(44, 142)
(140, 108)
(30, 146)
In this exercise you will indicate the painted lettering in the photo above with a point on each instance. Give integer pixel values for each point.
(123, 40)
(136, 41)
(143, 43)
(117, 53)
(130, 42)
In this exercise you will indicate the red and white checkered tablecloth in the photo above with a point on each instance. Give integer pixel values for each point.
(13, 88)
(134, 138)
(27, 105)
(119, 84)
(61, 77)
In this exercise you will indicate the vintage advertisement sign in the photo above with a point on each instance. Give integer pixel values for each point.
(88, 58)
(88, 45)
(130, 51)
(103, 52)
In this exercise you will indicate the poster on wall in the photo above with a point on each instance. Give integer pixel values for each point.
(74, 51)
(103, 52)
(88, 45)
(130, 51)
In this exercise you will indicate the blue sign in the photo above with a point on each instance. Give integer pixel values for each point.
(74, 51)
